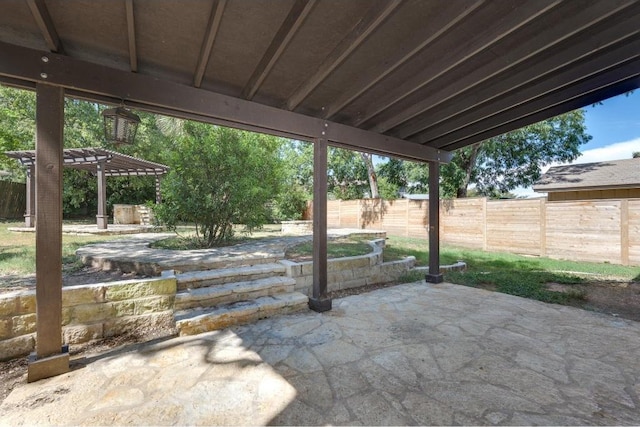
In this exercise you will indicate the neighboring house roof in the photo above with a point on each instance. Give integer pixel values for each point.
(600, 175)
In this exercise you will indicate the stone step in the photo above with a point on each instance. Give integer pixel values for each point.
(200, 279)
(233, 292)
(196, 321)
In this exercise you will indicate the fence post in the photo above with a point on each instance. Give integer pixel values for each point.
(543, 227)
(624, 232)
(484, 221)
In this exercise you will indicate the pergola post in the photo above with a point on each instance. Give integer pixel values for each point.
(101, 218)
(320, 301)
(158, 192)
(50, 358)
(434, 275)
(30, 212)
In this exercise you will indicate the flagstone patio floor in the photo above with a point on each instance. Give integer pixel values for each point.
(410, 354)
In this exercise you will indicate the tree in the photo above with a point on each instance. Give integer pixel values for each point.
(498, 165)
(220, 176)
(367, 158)
(636, 154)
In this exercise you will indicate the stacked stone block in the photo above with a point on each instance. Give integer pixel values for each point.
(89, 312)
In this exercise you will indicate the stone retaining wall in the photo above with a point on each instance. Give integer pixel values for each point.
(350, 272)
(89, 312)
(297, 227)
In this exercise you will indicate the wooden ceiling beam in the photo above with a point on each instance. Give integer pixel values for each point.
(292, 23)
(543, 75)
(207, 43)
(449, 19)
(98, 81)
(374, 17)
(549, 32)
(456, 52)
(611, 83)
(45, 24)
(131, 36)
(523, 65)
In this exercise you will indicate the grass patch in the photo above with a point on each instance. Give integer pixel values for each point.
(528, 277)
(338, 248)
(18, 250)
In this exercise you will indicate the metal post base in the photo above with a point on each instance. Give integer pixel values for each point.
(434, 278)
(320, 305)
(29, 221)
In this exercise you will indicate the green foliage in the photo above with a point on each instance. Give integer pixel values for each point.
(347, 174)
(220, 176)
(290, 204)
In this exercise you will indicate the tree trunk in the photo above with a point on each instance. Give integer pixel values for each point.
(371, 172)
(469, 162)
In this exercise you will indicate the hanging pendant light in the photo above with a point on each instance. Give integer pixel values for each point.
(120, 125)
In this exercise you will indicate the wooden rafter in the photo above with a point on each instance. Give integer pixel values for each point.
(367, 25)
(131, 36)
(297, 14)
(209, 39)
(45, 24)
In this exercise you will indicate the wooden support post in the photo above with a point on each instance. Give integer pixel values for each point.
(50, 358)
(158, 192)
(434, 275)
(30, 212)
(320, 301)
(102, 219)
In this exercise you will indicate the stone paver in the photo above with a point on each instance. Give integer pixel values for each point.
(410, 354)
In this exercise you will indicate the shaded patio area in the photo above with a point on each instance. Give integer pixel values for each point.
(411, 354)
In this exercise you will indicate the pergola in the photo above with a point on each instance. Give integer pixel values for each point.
(410, 79)
(99, 162)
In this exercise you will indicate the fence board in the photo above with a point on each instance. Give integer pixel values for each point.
(586, 230)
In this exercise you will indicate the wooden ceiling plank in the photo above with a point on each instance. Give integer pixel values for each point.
(207, 44)
(94, 79)
(131, 36)
(384, 70)
(45, 24)
(548, 35)
(457, 53)
(560, 108)
(374, 17)
(618, 76)
(290, 26)
(560, 68)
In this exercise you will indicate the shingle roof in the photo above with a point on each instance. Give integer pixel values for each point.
(600, 175)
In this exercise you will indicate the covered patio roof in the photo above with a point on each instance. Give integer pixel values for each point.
(413, 79)
(402, 78)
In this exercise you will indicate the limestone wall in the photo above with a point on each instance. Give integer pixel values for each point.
(350, 272)
(89, 312)
(297, 227)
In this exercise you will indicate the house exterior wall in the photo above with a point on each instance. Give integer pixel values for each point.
(617, 193)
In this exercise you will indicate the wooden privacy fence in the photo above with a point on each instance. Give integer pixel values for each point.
(12, 199)
(589, 230)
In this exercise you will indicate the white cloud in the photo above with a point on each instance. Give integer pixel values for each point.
(617, 151)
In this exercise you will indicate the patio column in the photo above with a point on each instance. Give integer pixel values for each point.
(320, 301)
(30, 212)
(158, 193)
(49, 358)
(101, 218)
(434, 275)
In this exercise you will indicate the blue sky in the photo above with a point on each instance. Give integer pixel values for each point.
(615, 127)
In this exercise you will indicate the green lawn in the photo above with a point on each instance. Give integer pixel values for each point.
(513, 274)
(18, 250)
